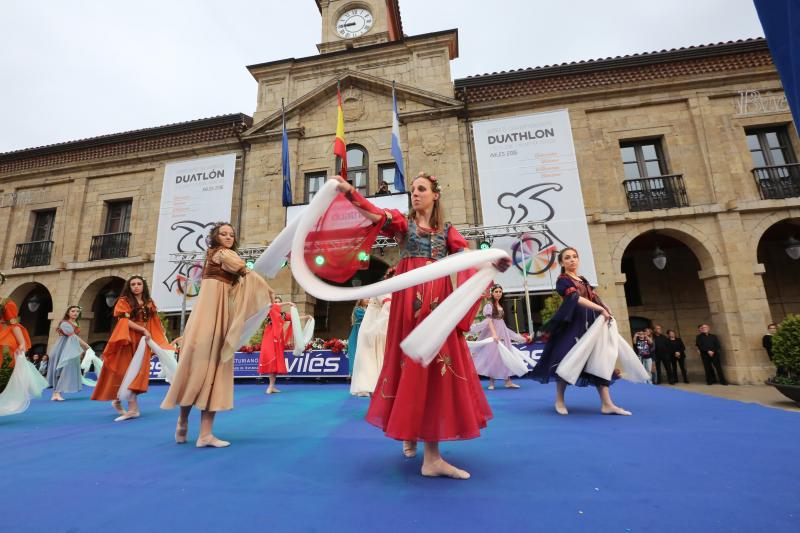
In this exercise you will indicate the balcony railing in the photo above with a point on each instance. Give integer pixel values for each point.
(661, 192)
(110, 246)
(779, 181)
(29, 254)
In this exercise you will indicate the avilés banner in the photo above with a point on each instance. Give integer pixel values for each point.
(195, 195)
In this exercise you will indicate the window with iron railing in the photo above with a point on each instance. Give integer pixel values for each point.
(775, 167)
(648, 184)
(37, 251)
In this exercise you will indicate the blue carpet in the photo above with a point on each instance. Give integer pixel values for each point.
(304, 460)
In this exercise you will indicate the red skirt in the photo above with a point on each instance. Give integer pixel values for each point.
(271, 359)
(444, 401)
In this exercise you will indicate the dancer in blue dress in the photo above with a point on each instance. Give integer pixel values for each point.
(64, 370)
(359, 311)
(579, 309)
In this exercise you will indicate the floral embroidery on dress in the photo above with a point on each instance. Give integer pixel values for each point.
(447, 364)
(383, 386)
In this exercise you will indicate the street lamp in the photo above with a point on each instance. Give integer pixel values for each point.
(793, 248)
(34, 303)
(659, 258)
(111, 297)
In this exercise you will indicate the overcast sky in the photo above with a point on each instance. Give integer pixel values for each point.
(79, 68)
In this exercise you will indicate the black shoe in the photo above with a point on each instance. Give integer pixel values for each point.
(724, 383)
(686, 381)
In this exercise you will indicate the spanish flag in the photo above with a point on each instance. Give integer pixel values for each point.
(339, 146)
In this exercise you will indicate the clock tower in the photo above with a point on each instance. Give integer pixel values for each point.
(354, 23)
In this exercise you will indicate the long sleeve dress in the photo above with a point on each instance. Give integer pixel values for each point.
(119, 351)
(568, 325)
(488, 361)
(25, 381)
(352, 340)
(368, 358)
(64, 369)
(443, 401)
(271, 359)
(230, 297)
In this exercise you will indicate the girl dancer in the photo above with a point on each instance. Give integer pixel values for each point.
(368, 360)
(580, 307)
(271, 359)
(356, 319)
(25, 381)
(488, 361)
(137, 318)
(64, 370)
(230, 297)
(443, 401)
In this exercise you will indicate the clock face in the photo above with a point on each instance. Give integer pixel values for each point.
(354, 23)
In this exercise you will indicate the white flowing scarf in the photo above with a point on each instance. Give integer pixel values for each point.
(168, 366)
(424, 342)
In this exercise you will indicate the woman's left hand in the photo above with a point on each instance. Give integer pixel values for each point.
(502, 264)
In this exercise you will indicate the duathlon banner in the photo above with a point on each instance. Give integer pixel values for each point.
(528, 173)
(195, 195)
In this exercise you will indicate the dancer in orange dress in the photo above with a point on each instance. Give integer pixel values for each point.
(137, 318)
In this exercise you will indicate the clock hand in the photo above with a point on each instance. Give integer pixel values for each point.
(350, 24)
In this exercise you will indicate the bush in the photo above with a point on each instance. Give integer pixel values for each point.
(786, 350)
(551, 305)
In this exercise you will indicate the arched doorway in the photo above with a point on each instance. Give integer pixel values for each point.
(35, 305)
(663, 287)
(779, 251)
(99, 299)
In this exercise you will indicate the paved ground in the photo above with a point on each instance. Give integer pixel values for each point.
(760, 394)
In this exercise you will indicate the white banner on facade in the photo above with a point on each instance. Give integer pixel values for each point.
(195, 195)
(528, 173)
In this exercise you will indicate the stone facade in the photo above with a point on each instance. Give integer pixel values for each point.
(687, 99)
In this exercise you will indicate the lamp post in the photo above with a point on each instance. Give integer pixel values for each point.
(660, 262)
(111, 298)
(34, 303)
(659, 258)
(792, 248)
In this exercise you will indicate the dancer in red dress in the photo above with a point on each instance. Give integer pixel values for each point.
(271, 360)
(443, 401)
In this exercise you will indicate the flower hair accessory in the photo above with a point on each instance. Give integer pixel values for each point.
(435, 187)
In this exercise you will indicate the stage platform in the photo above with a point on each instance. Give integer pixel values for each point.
(304, 460)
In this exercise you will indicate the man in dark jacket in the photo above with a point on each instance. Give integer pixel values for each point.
(664, 357)
(710, 351)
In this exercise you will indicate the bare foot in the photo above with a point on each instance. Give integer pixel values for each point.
(511, 385)
(181, 430)
(363, 395)
(410, 448)
(127, 416)
(491, 386)
(561, 409)
(117, 405)
(614, 410)
(272, 390)
(441, 468)
(210, 441)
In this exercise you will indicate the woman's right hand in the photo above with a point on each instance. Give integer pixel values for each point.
(146, 334)
(343, 186)
(606, 315)
(496, 338)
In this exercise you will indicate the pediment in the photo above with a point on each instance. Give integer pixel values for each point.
(427, 102)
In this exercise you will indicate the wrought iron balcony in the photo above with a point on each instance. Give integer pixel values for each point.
(661, 192)
(29, 254)
(779, 181)
(110, 246)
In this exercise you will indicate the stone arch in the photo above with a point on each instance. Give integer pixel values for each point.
(779, 272)
(766, 223)
(36, 322)
(707, 252)
(87, 298)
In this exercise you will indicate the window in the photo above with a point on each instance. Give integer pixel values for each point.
(357, 168)
(118, 219)
(775, 166)
(43, 225)
(770, 147)
(314, 181)
(386, 173)
(643, 159)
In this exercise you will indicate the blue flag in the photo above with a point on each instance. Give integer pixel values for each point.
(287, 179)
(397, 153)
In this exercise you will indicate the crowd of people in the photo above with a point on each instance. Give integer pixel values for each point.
(663, 353)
